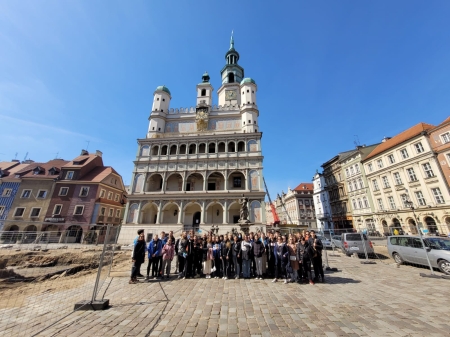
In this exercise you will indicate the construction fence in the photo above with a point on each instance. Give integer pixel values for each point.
(43, 277)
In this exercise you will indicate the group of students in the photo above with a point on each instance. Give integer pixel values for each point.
(255, 255)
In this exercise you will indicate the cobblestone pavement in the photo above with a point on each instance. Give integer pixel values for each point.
(358, 300)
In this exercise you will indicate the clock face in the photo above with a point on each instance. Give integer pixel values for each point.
(230, 94)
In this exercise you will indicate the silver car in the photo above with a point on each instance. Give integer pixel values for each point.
(336, 242)
(407, 248)
(325, 242)
(353, 243)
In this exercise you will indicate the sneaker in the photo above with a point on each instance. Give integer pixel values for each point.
(311, 283)
(260, 278)
(285, 281)
(274, 280)
(147, 278)
(131, 282)
(140, 275)
(225, 278)
(184, 278)
(256, 278)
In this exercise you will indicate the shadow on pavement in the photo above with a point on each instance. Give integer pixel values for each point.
(339, 280)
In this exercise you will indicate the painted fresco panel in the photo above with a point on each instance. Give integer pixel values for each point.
(254, 180)
(138, 183)
(224, 124)
(255, 211)
(133, 214)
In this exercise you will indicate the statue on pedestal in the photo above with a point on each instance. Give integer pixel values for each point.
(244, 210)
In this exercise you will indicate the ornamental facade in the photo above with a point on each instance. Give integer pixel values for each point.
(195, 163)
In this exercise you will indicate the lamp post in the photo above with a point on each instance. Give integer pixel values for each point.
(411, 205)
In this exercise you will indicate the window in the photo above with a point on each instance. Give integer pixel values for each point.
(411, 174)
(357, 168)
(7, 192)
(350, 186)
(306, 202)
(428, 171)
(237, 182)
(380, 204)
(385, 182)
(360, 182)
(404, 153)
(355, 206)
(35, 212)
(445, 137)
(42, 194)
(437, 195)
(380, 163)
(418, 147)
(110, 195)
(110, 212)
(360, 204)
(118, 213)
(69, 175)
(405, 200)
(2, 209)
(370, 167)
(19, 211)
(375, 185)
(397, 179)
(420, 199)
(203, 93)
(84, 191)
(366, 202)
(355, 185)
(102, 193)
(391, 202)
(63, 191)
(26, 194)
(78, 210)
(300, 202)
(391, 159)
(352, 171)
(102, 211)
(116, 198)
(346, 172)
(57, 210)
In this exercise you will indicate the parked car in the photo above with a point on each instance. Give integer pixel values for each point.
(325, 242)
(407, 248)
(336, 242)
(353, 243)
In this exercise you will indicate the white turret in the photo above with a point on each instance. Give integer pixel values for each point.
(204, 91)
(249, 110)
(160, 108)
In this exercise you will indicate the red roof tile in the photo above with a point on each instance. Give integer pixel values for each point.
(98, 174)
(27, 172)
(400, 138)
(304, 187)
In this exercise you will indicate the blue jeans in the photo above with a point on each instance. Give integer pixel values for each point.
(246, 268)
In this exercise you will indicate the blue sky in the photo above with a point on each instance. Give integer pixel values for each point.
(328, 73)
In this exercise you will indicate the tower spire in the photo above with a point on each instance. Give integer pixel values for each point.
(231, 42)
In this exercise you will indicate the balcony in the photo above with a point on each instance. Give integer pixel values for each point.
(103, 219)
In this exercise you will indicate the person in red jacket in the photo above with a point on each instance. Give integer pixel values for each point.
(168, 251)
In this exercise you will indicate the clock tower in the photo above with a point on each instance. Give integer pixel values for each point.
(232, 75)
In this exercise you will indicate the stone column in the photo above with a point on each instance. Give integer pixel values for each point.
(202, 213)
(139, 216)
(180, 213)
(164, 181)
(225, 213)
(205, 181)
(158, 218)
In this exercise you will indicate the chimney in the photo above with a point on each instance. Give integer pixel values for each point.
(385, 139)
(15, 161)
(28, 161)
(84, 153)
(98, 153)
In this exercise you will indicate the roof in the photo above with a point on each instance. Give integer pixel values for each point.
(400, 138)
(98, 174)
(304, 187)
(6, 165)
(163, 88)
(10, 174)
(248, 80)
(80, 161)
(28, 170)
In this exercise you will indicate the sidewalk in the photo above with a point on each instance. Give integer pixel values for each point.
(358, 300)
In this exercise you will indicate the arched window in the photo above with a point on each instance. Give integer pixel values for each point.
(203, 92)
(360, 204)
(155, 150)
(355, 206)
(230, 78)
(173, 149)
(211, 148)
(164, 150)
(182, 149)
(192, 149)
(366, 203)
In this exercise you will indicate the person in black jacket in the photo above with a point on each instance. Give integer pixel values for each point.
(226, 258)
(317, 245)
(270, 257)
(138, 258)
(304, 254)
(258, 251)
(281, 257)
(236, 253)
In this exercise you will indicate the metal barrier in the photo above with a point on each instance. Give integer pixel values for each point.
(41, 280)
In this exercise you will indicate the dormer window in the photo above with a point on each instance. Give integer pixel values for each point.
(53, 171)
(1, 173)
(69, 175)
(37, 170)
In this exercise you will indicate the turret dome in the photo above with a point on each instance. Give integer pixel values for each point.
(163, 88)
(248, 80)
